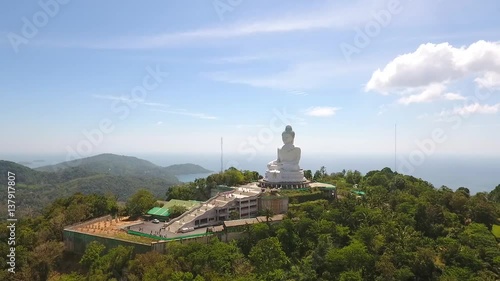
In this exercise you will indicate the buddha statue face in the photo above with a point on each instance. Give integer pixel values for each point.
(287, 139)
(288, 135)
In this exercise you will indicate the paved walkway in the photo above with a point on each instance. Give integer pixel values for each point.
(157, 229)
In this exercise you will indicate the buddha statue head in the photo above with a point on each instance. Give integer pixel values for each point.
(288, 135)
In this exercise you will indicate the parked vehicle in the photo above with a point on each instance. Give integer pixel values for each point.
(186, 229)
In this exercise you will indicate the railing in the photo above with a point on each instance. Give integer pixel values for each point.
(208, 202)
(92, 221)
(133, 232)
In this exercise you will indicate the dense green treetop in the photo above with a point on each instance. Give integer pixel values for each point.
(141, 202)
(402, 229)
(186, 169)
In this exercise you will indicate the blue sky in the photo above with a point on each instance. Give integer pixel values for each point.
(88, 77)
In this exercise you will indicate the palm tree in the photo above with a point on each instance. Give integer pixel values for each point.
(269, 214)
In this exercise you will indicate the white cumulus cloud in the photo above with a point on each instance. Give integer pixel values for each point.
(438, 63)
(441, 72)
(489, 80)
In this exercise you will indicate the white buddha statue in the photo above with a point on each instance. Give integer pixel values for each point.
(286, 166)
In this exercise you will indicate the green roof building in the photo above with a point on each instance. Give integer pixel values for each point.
(163, 213)
(358, 192)
(159, 213)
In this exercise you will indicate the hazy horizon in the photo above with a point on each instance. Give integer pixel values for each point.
(478, 173)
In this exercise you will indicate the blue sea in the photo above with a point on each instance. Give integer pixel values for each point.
(478, 173)
(192, 177)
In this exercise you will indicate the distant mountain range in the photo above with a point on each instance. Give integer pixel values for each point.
(121, 165)
(113, 174)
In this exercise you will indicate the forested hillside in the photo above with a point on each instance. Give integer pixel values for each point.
(117, 165)
(115, 175)
(119, 176)
(185, 169)
(402, 229)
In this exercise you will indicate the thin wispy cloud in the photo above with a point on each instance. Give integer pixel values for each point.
(284, 54)
(235, 59)
(428, 94)
(327, 17)
(115, 98)
(423, 116)
(155, 104)
(454, 96)
(474, 108)
(322, 111)
(296, 78)
(299, 93)
(128, 100)
(247, 126)
(485, 125)
(185, 112)
(382, 109)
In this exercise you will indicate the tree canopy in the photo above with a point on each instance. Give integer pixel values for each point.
(140, 202)
(402, 229)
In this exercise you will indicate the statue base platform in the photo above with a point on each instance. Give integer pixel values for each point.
(284, 179)
(284, 185)
(284, 176)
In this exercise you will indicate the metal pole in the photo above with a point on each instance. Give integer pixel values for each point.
(221, 155)
(395, 147)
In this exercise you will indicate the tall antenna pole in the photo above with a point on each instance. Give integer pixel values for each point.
(395, 147)
(221, 155)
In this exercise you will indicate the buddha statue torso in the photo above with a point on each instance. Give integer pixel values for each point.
(288, 155)
(286, 169)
